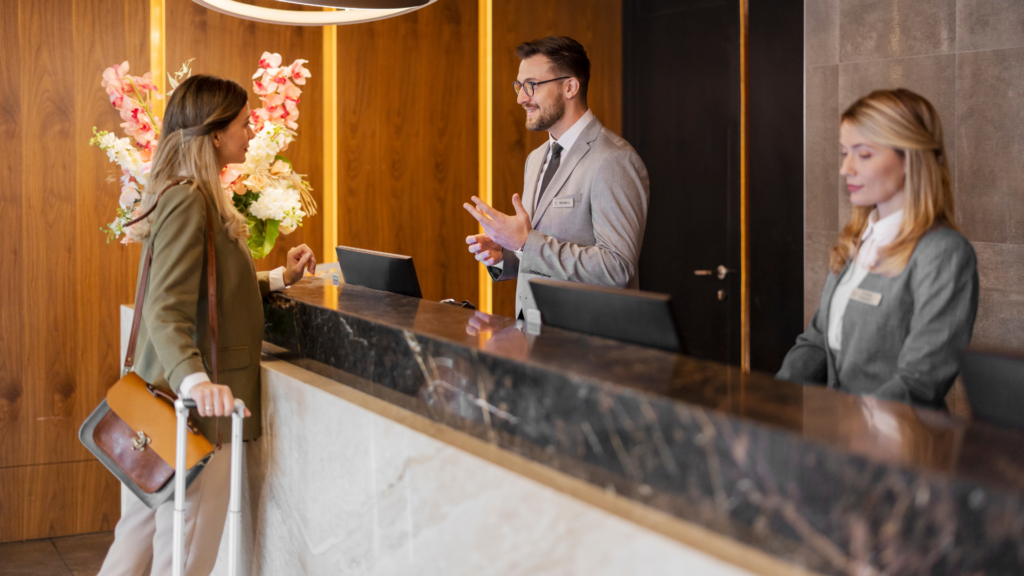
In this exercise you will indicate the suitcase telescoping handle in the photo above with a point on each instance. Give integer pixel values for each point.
(181, 408)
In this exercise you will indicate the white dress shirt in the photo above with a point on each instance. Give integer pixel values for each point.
(276, 284)
(566, 142)
(877, 235)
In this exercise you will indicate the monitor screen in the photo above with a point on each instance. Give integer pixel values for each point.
(632, 316)
(379, 270)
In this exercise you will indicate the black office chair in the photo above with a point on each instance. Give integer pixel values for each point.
(995, 386)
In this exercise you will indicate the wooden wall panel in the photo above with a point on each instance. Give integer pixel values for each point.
(407, 149)
(48, 227)
(57, 500)
(230, 47)
(11, 239)
(597, 24)
(63, 283)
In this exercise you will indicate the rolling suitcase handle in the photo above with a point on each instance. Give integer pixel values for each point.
(181, 408)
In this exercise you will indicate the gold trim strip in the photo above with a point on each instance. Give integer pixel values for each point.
(158, 50)
(486, 133)
(687, 533)
(744, 192)
(329, 200)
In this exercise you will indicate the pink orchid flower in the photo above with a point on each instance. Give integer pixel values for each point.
(270, 61)
(298, 73)
(114, 82)
(129, 194)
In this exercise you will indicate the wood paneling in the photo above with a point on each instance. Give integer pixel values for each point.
(57, 500)
(597, 25)
(62, 282)
(11, 129)
(407, 150)
(230, 47)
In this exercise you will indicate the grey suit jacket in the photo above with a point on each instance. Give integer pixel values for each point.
(905, 348)
(594, 232)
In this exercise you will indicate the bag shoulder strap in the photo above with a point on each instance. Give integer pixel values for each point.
(140, 294)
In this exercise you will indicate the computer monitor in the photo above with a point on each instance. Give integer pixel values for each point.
(633, 316)
(379, 270)
(995, 386)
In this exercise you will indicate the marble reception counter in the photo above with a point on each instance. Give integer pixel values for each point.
(770, 476)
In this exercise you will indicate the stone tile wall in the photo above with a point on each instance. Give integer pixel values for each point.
(967, 57)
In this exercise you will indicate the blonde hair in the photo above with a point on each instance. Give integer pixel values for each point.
(909, 124)
(199, 107)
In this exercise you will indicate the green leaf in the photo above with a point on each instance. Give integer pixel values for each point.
(271, 236)
(262, 236)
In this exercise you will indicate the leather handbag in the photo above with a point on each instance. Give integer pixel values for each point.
(132, 431)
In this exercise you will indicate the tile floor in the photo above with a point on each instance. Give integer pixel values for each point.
(68, 556)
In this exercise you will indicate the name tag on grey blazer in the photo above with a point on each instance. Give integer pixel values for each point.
(562, 203)
(866, 296)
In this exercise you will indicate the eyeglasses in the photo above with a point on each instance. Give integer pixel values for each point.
(531, 86)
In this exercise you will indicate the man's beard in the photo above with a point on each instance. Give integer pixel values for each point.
(547, 119)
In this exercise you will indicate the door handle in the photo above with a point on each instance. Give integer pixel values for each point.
(721, 272)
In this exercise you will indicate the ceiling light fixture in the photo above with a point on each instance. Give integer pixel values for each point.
(348, 11)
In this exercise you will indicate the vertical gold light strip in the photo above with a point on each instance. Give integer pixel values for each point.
(486, 133)
(744, 194)
(329, 202)
(158, 50)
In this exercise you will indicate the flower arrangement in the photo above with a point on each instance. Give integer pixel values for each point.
(272, 196)
(265, 189)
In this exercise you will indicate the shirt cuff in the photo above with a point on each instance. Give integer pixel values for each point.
(277, 279)
(191, 380)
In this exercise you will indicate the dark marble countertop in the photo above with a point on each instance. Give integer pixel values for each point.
(836, 483)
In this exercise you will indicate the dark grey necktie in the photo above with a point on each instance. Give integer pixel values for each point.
(556, 158)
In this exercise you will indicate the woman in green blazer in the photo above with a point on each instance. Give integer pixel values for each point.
(206, 127)
(900, 301)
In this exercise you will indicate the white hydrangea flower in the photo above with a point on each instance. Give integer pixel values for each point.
(279, 203)
(268, 143)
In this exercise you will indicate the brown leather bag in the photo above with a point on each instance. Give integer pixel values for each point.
(133, 430)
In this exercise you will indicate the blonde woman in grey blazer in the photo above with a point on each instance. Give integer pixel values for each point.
(900, 300)
(583, 210)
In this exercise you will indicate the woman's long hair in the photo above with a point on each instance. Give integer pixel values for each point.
(199, 106)
(909, 124)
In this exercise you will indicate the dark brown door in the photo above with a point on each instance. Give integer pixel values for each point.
(681, 113)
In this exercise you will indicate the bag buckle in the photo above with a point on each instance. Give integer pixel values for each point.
(140, 442)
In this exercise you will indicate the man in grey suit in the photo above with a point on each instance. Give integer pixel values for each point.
(583, 210)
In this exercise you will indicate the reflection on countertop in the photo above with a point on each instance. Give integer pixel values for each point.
(837, 483)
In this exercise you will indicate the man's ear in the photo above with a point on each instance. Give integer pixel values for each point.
(572, 88)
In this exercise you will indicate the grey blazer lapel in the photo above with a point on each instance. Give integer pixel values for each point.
(532, 176)
(578, 151)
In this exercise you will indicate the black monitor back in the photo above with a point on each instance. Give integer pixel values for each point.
(995, 387)
(632, 316)
(379, 270)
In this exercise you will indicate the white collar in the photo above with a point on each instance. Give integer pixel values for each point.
(573, 133)
(884, 229)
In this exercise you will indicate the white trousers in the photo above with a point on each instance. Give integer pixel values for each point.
(143, 534)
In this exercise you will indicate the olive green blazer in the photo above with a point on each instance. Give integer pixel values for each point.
(174, 339)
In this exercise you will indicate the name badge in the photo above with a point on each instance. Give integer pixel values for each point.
(562, 202)
(867, 297)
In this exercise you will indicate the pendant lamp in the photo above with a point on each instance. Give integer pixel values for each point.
(348, 11)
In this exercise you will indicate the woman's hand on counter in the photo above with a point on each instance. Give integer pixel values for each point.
(214, 399)
(300, 259)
